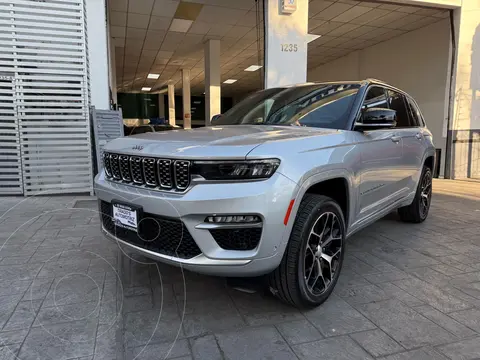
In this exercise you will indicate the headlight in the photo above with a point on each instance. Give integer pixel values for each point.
(236, 170)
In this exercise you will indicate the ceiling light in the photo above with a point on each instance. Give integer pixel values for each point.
(312, 37)
(146, 88)
(153, 76)
(229, 81)
(180, 25)
(253, 68)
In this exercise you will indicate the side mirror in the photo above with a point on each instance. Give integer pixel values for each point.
(215, 118)
(377, 118)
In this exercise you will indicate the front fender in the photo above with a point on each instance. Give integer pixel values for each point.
(302, 188)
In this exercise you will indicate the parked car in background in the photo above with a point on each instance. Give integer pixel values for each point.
(141, 129)
(274, 187)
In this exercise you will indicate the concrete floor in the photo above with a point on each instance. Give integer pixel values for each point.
(405, 292)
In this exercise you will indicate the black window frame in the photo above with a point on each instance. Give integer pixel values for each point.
(407, 108)
(385, 93)
(358, 115)
(414, 113)
(362, 94)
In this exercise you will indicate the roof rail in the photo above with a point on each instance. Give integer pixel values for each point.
(376, 80)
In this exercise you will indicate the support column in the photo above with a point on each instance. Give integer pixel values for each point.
(464, 130)
(161, 106)
(112, 69)
(187, 114)
(98, 54)
(286, 42)
(212, 80)
(171, 104)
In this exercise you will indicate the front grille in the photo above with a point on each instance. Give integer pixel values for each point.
(136, 169)
(149, 171)
(159, 234)
(164, 168)
(125, 168)
(182, 174)
(115, 165)
(237, 239)
(164, 174)
(106, 164)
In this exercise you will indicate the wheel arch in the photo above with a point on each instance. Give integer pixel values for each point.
(337, 184)
(430, 162)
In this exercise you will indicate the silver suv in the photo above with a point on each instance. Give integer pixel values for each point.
(274, 186)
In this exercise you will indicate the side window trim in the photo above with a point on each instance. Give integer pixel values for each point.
(359, 112)
(407, 107)
(405, 104)
(379, 87)
(411, 114)
(415, 109)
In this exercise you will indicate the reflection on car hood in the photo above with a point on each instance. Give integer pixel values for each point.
(234, 141)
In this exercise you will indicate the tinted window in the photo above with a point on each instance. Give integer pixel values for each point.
(327, 113)
(397, 103)
(415, 116)
(319, 105)
(376, 98)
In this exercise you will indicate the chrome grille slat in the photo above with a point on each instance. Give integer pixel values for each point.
(114, 163)
(163, 174)
(125, 168)
(164, 167)
(106, 164)
(149, 173)
(136, 169)
(181, 173)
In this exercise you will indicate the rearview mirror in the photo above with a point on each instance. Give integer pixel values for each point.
(377, 118)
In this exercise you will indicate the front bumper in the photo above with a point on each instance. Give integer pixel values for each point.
(268, 199)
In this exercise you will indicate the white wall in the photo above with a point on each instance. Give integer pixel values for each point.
(416, 62)
(98, 54)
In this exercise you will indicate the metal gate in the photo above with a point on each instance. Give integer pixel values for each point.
(43, 45)
(10, 162)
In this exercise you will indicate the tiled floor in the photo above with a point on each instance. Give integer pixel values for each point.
(405, 292)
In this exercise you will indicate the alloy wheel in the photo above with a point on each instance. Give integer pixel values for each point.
(323, 253)
(425, 194)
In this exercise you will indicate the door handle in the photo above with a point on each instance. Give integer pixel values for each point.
(419, 136)
(396, 139)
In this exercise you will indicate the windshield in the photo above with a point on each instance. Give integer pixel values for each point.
(320, 105)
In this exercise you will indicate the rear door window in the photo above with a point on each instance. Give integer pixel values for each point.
(397, 102)
(414, 112)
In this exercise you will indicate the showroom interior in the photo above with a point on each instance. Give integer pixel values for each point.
(407, 45)
(184, 61)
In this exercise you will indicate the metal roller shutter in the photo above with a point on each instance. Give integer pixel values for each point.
(48, 48)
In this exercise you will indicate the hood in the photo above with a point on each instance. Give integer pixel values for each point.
(232, 142)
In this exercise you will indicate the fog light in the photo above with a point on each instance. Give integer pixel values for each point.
(233, 219)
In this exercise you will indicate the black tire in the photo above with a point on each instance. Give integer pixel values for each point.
(289, 281)
(417, 211)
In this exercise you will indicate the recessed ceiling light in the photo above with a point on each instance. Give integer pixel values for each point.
(180, 25)
(153, 76)
(146, 88)
(312, 37)
(253, 68)
(229, 81)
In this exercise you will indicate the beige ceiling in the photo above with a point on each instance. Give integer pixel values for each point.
(144, 44)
